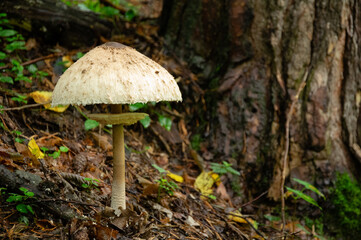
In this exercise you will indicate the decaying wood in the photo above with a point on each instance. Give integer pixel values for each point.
(12, 181)
(57, 22)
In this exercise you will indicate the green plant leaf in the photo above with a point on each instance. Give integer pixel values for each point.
(44, 149)
(24, 219)
(3, 55)
(145, 121)
(165, 122)
(309, 187)
(22, 208)
(90, 124)
(29, 194)
(161, 170)
(303, 228)
(19, 140)
(55, 154)
(303, 196)
(15, 46)
(26, 192)
(84, 185)
(23, 78)
(7, 32)
(271, 218)
(79, 55)
(6, 79)
(211, 196)
(14, 198)
(129, 15)
(30, 209)
(63, 149)
(136, 106)
(32, 68)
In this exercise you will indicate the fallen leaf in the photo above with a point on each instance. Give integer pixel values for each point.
(35, 150)
(43, 97)
(204, 183)
(222, 192)
(163, 209)
(67, 61)
(191, 222)
(175, 177)
(236, 216)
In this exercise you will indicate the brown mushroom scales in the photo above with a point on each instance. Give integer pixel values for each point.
(115, 74)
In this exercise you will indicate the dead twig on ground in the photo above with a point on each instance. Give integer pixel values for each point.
(255, 199)
(53, 55)
(25, 106)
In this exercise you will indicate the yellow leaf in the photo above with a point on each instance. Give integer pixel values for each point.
(35, 150)
(204, 183)
(67, 61)
(237, 217)
(216, 178)
(45, 97)
(175, 177)
(287, 194)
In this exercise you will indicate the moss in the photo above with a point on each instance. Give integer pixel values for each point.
(343, 218)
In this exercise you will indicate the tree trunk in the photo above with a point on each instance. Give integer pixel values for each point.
(257, 53)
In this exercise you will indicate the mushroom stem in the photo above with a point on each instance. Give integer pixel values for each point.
(118, 186)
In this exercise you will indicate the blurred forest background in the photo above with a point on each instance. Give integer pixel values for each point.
(271, 105)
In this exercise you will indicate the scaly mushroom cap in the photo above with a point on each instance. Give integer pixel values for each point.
(113, 73)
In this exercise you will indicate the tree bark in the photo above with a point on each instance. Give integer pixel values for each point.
(259, 52)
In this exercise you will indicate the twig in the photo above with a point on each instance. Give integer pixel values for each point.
(255, 199)
(53, 55)
(25, 106)
(110, 3)
(287, 144)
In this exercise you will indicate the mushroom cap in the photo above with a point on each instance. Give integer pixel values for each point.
(113, 73)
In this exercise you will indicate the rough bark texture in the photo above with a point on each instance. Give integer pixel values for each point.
(264, 49)
(57, 22)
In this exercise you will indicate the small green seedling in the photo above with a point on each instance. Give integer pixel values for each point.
(165, 121)
(164, 185)
(299, 194)
(55, 154)
(224, 168)
(17, 138)
(90, 124)
(20, 98)
(167, 186)
(91, 183)
(211, 196)
(22, 206)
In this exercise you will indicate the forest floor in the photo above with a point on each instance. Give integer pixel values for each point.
(64, 193)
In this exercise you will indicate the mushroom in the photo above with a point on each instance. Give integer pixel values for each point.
(115, 74)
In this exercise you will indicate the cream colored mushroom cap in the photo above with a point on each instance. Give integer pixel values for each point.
(113, 73)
